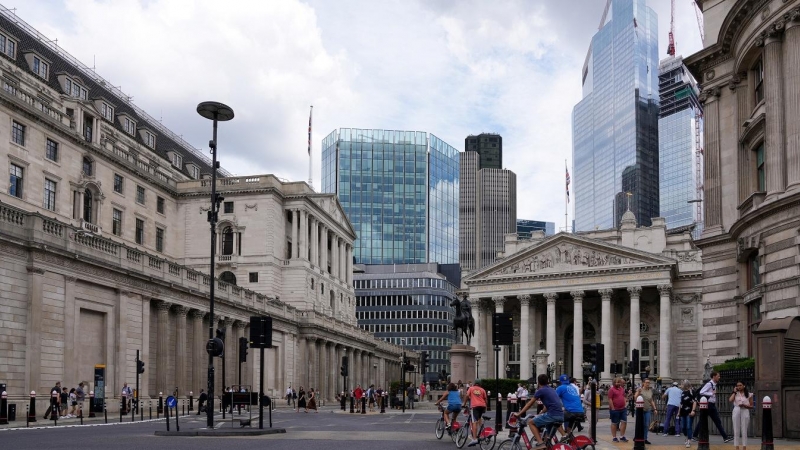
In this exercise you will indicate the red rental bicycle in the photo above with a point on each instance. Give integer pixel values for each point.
(441, 428)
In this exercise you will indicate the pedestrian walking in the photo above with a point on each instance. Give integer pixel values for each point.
(53, 408)
(673, 398)
(646, 391)
(709, 391)
(742, 401)
(312, 400)
(617, 409)
(301, 399)
(64, 406)
(688, 411)
(201, 401)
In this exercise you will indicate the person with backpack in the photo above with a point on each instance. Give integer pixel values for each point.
(709, 391)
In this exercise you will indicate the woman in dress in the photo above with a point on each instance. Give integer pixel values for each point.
(301, 399)
(742, 401)
(312, 400)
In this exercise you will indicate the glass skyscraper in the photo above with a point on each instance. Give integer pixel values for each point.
(400, 192)
(679, 167)
(615, 125)
(526, 227)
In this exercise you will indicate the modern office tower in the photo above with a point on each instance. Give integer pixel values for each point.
(409, 305)
(680, 168)
(526, 227)
(488, 210)
(490, 148)
(615, 125)
(400, 191)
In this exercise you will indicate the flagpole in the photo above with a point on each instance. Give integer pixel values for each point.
(566, 201)
(310, 179)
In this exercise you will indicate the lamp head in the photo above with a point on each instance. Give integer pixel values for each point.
(215, 111)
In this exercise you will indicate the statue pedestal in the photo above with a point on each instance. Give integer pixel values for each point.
(462, 363)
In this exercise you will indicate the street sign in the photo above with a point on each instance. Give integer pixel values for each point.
(172, 402)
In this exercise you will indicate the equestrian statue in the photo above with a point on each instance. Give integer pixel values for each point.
(463, 320)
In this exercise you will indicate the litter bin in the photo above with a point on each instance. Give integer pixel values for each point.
(12, 412)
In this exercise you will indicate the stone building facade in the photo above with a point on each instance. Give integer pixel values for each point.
(627, 288)
(749, 71)
(104, 248)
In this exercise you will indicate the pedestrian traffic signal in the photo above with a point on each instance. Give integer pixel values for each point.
(242, 349)
(635, 361)
(139, 366)
(343, 371)
(423, 363)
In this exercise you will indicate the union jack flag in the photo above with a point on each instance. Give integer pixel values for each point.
(568, 179)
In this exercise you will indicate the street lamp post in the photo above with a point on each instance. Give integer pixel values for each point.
(533, 365)
(560, 365)
(477, 364)
(216, 112)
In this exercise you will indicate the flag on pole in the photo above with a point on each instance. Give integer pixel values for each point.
(565, 168)
(309, 130)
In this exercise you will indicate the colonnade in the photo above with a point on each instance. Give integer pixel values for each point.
(311, 238)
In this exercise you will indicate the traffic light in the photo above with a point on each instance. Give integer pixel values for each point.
(242, 349)
(635, 361)
(343, 371)
(423, 362)
(590, 353)
(140, 366)
(600, 359)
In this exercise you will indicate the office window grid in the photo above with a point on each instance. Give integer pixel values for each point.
(18, 133)
(15, 181)
(116, 222)
(51, 150)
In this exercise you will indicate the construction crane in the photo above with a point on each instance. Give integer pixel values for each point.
(671, 46)
(699, 13)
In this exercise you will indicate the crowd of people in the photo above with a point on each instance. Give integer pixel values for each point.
(65, 404)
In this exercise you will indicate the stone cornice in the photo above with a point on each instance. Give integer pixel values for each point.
(521, 277)
(762, 212)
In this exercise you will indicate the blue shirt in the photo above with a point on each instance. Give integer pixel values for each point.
(550, 401)
(674, 396)
(453, 398)
(570, 398)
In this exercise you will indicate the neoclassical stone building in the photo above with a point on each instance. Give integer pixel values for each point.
(749, 71)
(104, 248)
(625, 288)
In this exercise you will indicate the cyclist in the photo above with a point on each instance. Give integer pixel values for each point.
(571, 399)
(552, 413)
(453, 404)
(477, 399)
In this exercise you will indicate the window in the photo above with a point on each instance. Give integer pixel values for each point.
(760, 171)
(177, 160)
(159, 239)
(160, 205)
(18, 133)
(150, 139)
(228, 277)
(753, 271)
(753, 320)
(758, 72)
(68, 86)
(194, 172)
(49, 194)
(254, 278)
(88, 205)
(228, 207)
(15, 185)
(129, 126)
(40, 67)
(7, 46)
(227, 241)
(119, 183)
(88, 166)
(116, 222)
(107, 111)
(51, 150)
(140, 195)
(139, 231)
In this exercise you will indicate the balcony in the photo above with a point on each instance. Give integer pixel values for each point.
(90, 227)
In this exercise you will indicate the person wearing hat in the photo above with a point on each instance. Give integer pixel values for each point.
(673, 398)
(552, 413)
(571, 399)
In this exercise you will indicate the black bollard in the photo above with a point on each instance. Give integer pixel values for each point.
(166, 415)
(32, 409)
(177, 423)
(160, 407)
(91, 405)
(105, 411)
(27, 416)
(638, 438)
(498, 421)
(123, 403)
(150, 404)
(4, 408)
(352, 405)
(343, 401)
(364, 404)
(766, 424)
(121, 410)
(383, 403)
(80, 411)
(54, 407)
(191, 401)
(488, 401)
(702, 427)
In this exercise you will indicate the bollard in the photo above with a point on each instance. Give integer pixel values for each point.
(105, 411)
(511, 403)
(80, 411)
(121, 411)
(702, 427)
(166, 415)
(91, 404)
(638, 438)
(383, 403)
(123, 405)
(27, 416)
(352, 405)
(344, 402)
(183, 405)
(4, 408)
(160, 407)
(539, 406)
(766, 424)
(191, 401)
(32, 409)
(364, 404)
(498, 421)
(54, 406)
(488, 400)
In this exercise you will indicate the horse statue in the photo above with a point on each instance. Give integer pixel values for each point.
(463, 320)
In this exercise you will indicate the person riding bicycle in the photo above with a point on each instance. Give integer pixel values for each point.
(573, 406)
(552, 413)
(477, 399)
(453, 404)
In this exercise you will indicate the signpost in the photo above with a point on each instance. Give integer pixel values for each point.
(261, 337)
(172, 403)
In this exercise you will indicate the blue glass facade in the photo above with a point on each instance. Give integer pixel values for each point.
(615, 125)
(678, 162)
(526, 227)
(399, 190)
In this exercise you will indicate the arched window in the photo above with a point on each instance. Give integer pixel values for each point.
(88, 205)
(227, 241)
(88, 166)
(228, 277)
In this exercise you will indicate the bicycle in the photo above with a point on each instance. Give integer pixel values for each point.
(518, 425)
(440, 426)
(487, 436)
(579, 442)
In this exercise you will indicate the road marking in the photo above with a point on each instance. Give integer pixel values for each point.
(411, 418)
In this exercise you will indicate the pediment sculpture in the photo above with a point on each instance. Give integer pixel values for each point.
(564, 255)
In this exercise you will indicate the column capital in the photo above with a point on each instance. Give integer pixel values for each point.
(198, 314)
(226, 321)
(635, 291)
(499, 300)
(35, 270)
(664, 289)
(577, 295)
(551, 297)
(524, 299)
(241, 324)
(606, 294)
(792, 18)
(181, 311)
(163, 307)
(709, 95)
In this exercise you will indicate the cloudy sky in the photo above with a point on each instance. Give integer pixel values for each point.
(449, 67)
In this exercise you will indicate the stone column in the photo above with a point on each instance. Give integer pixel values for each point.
(241, 369)
(500, 364)
(70, 343)
(304, 234)
(121, 341)
(791, 96)
(180, 350)
(551, 326)
(478, 338)
(635, 292)
(712, 193)
(231, 353)
(605, 333)
(199, 357)
(577, 332)
(741, 89)
(333, 372)
(301, 364)
(34, 331)
(774, 146)
(323, 259)
(162, 349)
(665, 333)
(524, 336)
(349, 352)
(350, 266)
(313, 240)
(335, 257)
(295, 239)
(324, 368)
(310, 363)
(345, 264)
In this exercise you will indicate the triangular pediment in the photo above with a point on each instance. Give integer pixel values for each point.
(564, 253)
(330, 204)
